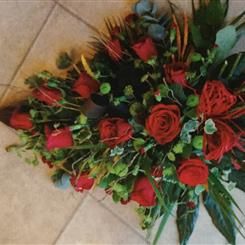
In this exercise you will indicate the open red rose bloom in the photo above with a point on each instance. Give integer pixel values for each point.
(155, 117)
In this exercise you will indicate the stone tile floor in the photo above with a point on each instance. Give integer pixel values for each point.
(32, 210)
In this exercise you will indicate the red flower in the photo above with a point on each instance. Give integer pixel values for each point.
(114, 131)
(49, 163)
(58, 138)
(163, 124)
(19, 120)
(85, 85)
(131, 18)
(176, 73)
(190, 204)
(145, 49)
(143, 193)
(83, 182)
(222, 141)
(193, 172)
(49, 96)
(215, 99)
(114, 49)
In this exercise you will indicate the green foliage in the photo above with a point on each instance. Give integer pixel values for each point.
(186, 218)
(189, 127)
(238, 176)
(209, 127)
(221, 219)
(197, 142)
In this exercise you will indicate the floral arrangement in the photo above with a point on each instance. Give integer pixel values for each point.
(155, 117)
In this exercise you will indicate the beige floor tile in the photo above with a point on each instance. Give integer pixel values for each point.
(33, 211)
(94, 224)
(20, 22)
(95, 11)
(125, 212)
(62, 32)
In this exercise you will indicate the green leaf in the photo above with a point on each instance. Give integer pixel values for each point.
(223, 221)
(186, 219)
(199, 189)
(189, 127)
(120, 169)
(197, 142)
(171, 156)
(215, 13)
(195, 57)
(238, 176)
(178, 91)
(138, 143)
(196, 35)
(226, 38)
(163, 223)
(209, 127)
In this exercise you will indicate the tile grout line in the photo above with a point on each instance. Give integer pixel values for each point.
(70, 219)
(116, 215)
(93, 28)
(27, 52)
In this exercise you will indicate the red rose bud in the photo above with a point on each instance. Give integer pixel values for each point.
(193, 172)
(49, 96)
(145, 49)
(157, 171)
(81, 183)
(163, 124)
(190, 205)
(20, 120)
(49, 163)
(58, 138)
(176, 73)
(215, 99)
(222, 141)
(114, 131)
(143, 193)
(235, 164)
(85, 85)
(114, 49)
(124, 202)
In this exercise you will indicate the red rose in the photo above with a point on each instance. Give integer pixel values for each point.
(83, 182)
(163, 124)
(49, 96)
(19, 120)
(114, 49)
(145, 49)
(176, 73)
(85, 85)
(114, 131)
(143, 193)
(58, 138)
(49, 163)
(215, 99)
(222, 141)
(193, 172)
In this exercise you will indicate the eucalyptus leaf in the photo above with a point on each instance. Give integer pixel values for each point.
(226, 38)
